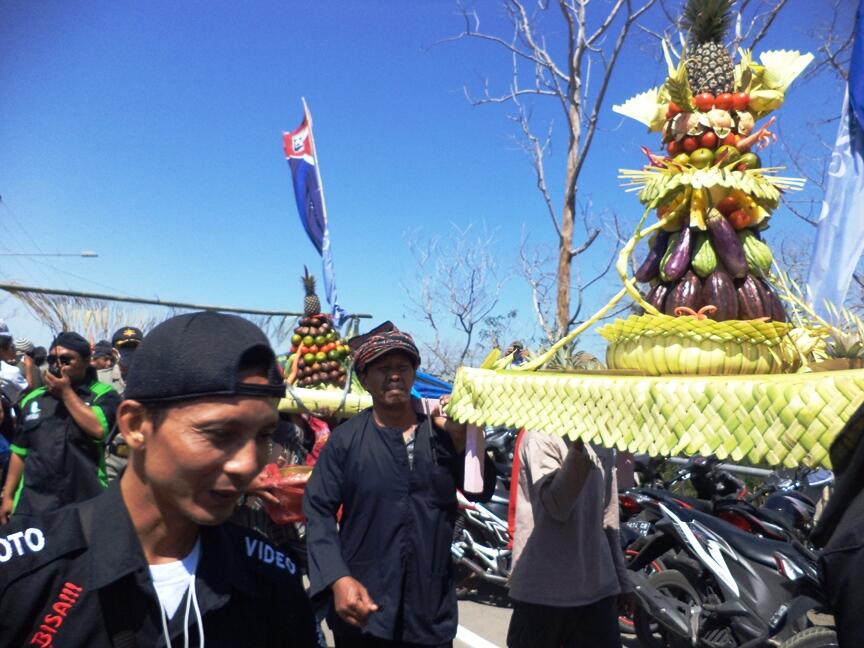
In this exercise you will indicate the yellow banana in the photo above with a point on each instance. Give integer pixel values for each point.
(698, 205)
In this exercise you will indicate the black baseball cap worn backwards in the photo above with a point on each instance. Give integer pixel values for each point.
(198, 355)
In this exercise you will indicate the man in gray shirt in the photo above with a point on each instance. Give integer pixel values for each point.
(569, 576)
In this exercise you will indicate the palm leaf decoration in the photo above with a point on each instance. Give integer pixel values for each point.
(744, 71)
(645, 107)
(678, 88)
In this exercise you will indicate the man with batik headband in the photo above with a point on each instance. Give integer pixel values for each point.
(58, 447)
(394, 473)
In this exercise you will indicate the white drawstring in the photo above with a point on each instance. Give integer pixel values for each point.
(165, 626)
(198, 613)
(191, 602)
(186, 616)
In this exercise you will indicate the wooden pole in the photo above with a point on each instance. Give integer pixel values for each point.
(157, 302)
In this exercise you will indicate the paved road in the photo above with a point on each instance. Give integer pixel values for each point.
(485, 617)
(483, 621)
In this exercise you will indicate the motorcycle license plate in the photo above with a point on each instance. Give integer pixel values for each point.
(640, 526)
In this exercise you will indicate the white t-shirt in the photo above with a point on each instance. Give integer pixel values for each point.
(171, 580)
(12, 381)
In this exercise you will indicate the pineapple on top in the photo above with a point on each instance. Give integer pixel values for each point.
(709, 64)
(319, 356)
(311, 303)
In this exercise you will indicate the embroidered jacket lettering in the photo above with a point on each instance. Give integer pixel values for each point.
(14, 544)
(51, 623)
(268, 555)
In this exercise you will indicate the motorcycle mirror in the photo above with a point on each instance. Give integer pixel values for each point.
(820, 477)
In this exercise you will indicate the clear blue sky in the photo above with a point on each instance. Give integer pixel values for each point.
(151, 133)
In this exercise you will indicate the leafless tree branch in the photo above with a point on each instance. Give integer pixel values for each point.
(456, 291)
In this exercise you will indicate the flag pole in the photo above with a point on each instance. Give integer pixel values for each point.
(308, 118)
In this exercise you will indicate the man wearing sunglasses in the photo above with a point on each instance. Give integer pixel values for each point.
(58, 449)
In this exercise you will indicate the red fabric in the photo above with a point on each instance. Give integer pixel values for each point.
(514, 488)
(287, 486)
(322, 432)
(297, 143)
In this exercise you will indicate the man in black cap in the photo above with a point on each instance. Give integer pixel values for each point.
(123, 343)
(103, 356)
(152, 561)
(126, 340)
(394, 473)
(58, 448)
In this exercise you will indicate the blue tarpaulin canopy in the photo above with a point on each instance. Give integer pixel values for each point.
(428, 386)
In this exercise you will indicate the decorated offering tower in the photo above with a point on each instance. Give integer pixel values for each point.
(713, 364)
(713, 199)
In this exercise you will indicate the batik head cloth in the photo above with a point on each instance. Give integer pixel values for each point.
(385, 338)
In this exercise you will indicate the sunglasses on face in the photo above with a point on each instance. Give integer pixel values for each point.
(64, 360)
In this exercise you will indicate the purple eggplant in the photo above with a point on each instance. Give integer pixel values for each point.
(650, 268)
(773, 306)
(750, 303)
(727, 245)
(657, 295)
(686, 293)
(718, 290)
(679, 261)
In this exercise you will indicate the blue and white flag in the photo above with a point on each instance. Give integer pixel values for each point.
(840, 235)
(299, 148)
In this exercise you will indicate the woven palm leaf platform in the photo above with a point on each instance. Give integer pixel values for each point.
(330, 401)
(780, 420)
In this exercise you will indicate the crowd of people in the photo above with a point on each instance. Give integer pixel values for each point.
(124, 463)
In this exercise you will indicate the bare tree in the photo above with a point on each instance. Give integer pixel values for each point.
(578, 83)
(535, 262)
(457, 289)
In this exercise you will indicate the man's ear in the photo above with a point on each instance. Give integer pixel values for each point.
(134, 423)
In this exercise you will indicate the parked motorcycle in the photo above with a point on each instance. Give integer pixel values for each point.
(722, 587)
(783, 508)
(481, 546)
(481, 540)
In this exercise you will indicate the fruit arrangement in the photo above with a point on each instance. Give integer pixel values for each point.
(319, 357)
(710, 191)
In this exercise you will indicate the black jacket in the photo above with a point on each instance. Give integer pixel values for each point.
(396, 526)
(78, 577)
(62, 463)
(841, 532)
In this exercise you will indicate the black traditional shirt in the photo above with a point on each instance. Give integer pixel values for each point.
(78, 577)
(62, 463)
(396, 527)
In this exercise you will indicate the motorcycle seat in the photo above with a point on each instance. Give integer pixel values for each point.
(759, 550)
(690, 503)
(762, 514)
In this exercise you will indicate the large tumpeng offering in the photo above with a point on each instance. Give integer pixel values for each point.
(712, 365)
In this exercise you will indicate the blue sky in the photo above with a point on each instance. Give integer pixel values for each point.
(151, 133)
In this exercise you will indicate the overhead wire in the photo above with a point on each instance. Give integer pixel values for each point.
(62, 273)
